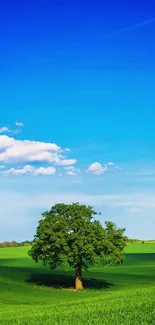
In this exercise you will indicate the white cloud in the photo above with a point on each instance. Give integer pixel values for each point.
(15, 151)
(20, 124)
(45, 171)
(97, 169)
(72, 171)
(66, 162)
(30, 170)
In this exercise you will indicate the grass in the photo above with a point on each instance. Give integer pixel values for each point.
(32, 294)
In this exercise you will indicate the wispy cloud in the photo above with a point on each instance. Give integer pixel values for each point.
(30, 170)
(66, 162)
(132, 209)
(119, 168)
(72, 171)
(133, 202)
(126, 201)
(132, 27)
(6, 129)
(26, 170)
(20, 124)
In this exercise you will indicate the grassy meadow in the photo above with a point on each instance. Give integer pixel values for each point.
(32, 294)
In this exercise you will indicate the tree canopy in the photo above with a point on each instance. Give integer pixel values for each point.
(68, 234)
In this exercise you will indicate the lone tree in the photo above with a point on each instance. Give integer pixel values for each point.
(68, 234)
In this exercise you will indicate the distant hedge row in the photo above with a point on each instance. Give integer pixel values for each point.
(133, 240)
(139, 241)
(15, 244)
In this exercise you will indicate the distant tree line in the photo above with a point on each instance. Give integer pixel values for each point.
(29, 243)
(15, 244)
(133, 240)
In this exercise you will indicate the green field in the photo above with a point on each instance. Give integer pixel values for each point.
(32, 294)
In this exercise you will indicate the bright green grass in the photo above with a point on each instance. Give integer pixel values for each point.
(32, 294)
(140, 248)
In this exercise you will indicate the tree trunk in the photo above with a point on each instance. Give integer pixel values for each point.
(78, 280)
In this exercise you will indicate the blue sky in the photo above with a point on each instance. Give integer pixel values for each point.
(77, 112)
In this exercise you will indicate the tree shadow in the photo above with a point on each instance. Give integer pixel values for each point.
(50, 279)
(61, 281)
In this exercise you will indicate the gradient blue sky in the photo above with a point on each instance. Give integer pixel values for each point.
(81, 75)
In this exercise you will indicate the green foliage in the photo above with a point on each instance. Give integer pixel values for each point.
(69, 235)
